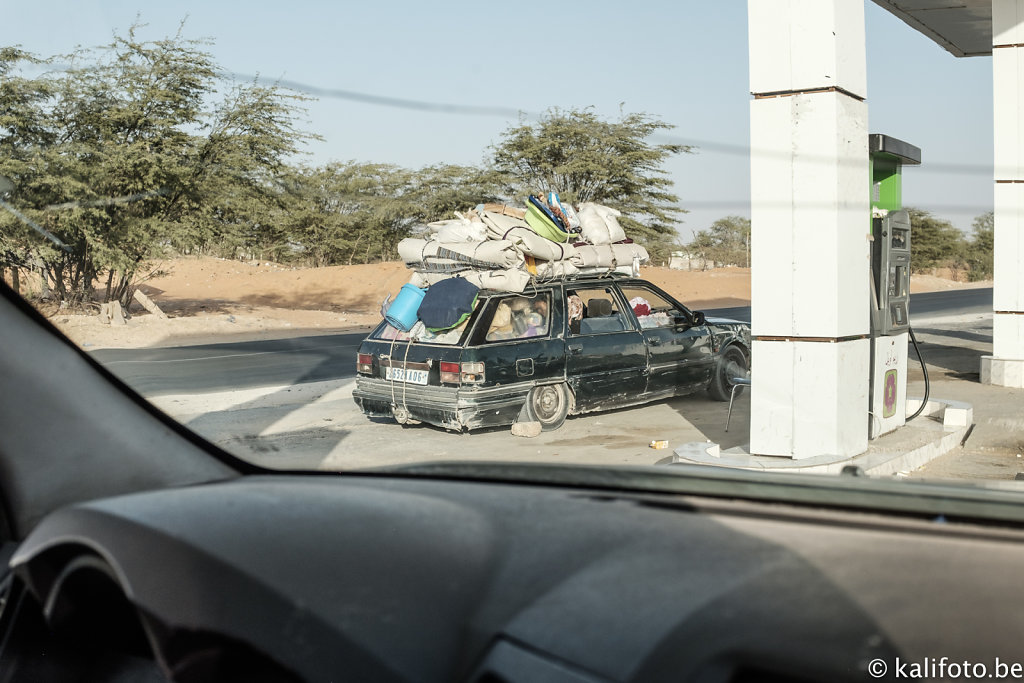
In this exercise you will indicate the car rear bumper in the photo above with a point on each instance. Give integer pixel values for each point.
(455, 408)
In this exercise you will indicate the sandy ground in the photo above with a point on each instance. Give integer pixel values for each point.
(209, 300)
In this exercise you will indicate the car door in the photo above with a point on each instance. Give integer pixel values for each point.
(679, 353)
(519, 339)
(606, 357)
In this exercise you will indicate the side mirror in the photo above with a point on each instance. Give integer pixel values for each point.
(698, 318)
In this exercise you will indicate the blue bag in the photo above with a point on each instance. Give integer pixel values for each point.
(447, 303)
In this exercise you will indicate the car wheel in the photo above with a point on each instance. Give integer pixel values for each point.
(548, 404)
(731, 364)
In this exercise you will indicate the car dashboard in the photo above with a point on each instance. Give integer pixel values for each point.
(385, 577)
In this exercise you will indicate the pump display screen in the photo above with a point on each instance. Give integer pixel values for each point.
(899, 239)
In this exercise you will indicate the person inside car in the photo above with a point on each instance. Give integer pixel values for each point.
(501, 326)
(574, 309)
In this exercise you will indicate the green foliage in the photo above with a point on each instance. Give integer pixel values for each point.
(24, 131)
(934, 242)
(140, 149)
(585, 158)
(981, 248)
(726, 242)
(121, 157)
(351, 212)
(444, 189)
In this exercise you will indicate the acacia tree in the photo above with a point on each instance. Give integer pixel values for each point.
(934, 242)
(24, 131)
(726, 242)
(240, 178)
(443, 189)
(585, 158)
(981, 248)
(136, 161)
(351, 212)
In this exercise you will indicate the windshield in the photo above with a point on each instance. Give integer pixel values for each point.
(336, 237)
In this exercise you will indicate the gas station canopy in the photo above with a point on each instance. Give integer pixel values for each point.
(963, 27)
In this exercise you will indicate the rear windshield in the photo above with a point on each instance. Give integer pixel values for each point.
(502, 318)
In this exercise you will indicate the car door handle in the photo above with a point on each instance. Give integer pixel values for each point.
(575, 348)
(654, 341)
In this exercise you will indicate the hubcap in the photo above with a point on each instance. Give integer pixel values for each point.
(733, 367)
(547, 403)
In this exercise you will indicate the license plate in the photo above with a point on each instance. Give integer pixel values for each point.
(403, 375)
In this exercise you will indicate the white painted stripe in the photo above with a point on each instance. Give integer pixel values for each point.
(313, 413)
(182, 406)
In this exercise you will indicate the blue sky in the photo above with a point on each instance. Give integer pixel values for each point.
(684, 62)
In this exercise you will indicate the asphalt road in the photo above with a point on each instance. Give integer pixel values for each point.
(240, 365)
(922, 306)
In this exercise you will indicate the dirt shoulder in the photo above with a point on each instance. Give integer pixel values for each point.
(209, 300)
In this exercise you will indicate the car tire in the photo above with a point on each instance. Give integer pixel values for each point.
(548, 404)
(731, 364)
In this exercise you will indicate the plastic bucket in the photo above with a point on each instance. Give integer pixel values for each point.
(402, 312)
(543, 226)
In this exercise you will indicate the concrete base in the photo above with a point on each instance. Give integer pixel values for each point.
(1004, 372)
(940, 427)
(809, 398)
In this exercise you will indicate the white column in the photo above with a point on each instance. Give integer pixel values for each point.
(810, 218)
(1006, 364)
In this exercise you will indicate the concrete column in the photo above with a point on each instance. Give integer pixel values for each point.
(810, 211)
(1006, 364)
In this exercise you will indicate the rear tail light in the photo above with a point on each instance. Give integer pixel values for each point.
(466, 373)
(364, 364)
(472, 372)
(450, 373)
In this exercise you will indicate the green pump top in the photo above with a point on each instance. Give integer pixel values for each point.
(888, 155)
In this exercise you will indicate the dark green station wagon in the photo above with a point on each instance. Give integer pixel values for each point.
(560, 348)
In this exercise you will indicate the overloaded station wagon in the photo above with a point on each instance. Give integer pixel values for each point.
(560, 348)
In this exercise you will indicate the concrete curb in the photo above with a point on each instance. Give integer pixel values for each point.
(941, 426)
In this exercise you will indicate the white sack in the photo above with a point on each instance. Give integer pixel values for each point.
(498, 223)
(499, 253)
(556, 269)
(599, 224)
(609, 255)
(458, 230)
(527, 241)
(559, 269)
(511, 280)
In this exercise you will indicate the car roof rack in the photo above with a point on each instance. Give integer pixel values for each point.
(537, 282)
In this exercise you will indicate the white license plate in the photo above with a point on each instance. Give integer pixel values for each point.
(403, 375)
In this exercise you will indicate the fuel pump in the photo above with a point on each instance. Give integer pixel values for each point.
(890, 283)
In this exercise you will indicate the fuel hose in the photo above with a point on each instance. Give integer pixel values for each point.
(924, 369)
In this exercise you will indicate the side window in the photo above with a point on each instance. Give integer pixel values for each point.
(650, 308)
(519, 317)
(593, 311)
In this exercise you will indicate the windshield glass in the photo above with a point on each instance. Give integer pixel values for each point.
(340, 237)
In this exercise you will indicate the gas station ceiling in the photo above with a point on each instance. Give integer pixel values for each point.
(963, 27)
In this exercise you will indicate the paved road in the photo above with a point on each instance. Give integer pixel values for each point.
(922, 306)
(240, 365)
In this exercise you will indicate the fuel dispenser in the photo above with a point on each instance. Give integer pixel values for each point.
(890, 283)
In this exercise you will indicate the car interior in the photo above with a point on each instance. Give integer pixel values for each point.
(136, 551)
(600, 315)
